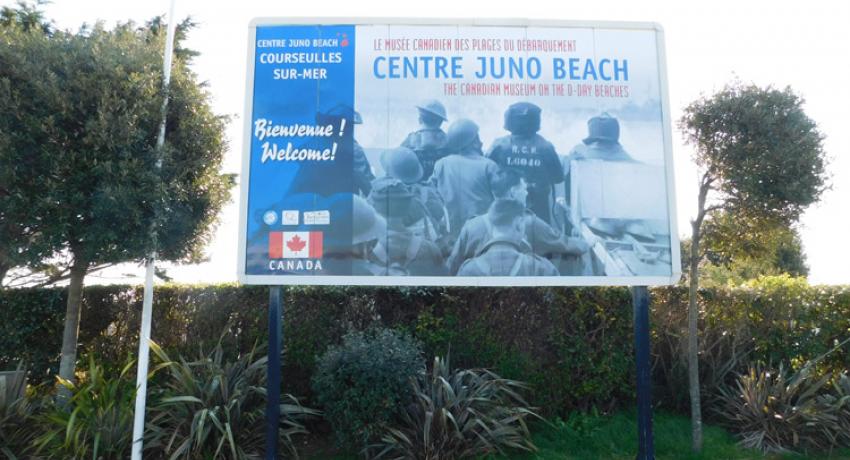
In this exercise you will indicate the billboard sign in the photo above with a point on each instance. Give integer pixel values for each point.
(456, 152)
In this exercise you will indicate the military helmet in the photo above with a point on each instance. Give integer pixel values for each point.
(603, 128)
(433, 107)
(366, 224)
(461, 133)
(402, 164)
(391, 198)
(522, 118)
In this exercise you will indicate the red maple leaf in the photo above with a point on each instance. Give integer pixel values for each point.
(296, 244)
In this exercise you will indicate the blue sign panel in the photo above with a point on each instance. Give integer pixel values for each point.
(302, 128)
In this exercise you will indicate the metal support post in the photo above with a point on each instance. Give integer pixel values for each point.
(273, 381)
(640, 302)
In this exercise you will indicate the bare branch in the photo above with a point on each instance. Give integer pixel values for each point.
(40, 280)
(714, 207)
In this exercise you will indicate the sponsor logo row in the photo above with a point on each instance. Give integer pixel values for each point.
(293, 217)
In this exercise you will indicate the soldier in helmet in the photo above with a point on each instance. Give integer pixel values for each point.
(601, 143)
(399, 251)
(530, 154)
(347, 251)
(399, 164)
(507, 253)
(429, 141)
(464, 177)
(427, 215)
(543, 239)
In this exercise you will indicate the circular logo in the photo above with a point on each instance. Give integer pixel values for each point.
(270, 217)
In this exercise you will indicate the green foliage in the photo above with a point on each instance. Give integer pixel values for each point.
(83, 177)
(778, 410)
(459, 414)
(771, 319)
(98, 422)
(31, 330)
(26, 16)
(16, 429)
(79, 114)
(794, 322)
(573, 346)
(19, 241)
(16, 421)
(362, 382)
(758, 149)
(556, 339)
(763, 159)
(592, 436)
(185, 317)
(738, 249)
(840, 397)
(215, 408)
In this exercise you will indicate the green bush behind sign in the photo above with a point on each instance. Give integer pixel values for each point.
(573, 345)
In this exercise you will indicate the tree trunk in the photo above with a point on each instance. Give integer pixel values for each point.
(68, 362)
(5, 266)
(693, 322)
(693, 345)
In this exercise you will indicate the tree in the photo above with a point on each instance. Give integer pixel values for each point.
(25, 16)
(734, 250)
(761, 160)
(19, 242)
(737, 249)
(79, 117)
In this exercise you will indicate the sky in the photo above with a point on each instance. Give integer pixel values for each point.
(779, 43)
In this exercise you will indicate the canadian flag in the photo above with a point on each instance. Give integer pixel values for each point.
(295, 245)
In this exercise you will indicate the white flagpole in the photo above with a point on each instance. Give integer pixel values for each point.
(147, 303)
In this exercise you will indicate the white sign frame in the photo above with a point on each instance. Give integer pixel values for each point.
(275, 280)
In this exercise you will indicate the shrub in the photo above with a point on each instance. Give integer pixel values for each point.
(98, 420)
(573, 345)
(185, 316)
(839, 397)
(31, 330)
(362, 382)
(777, 411)
(16, 421)
(459, 414)
(214, 408)
(772, 319)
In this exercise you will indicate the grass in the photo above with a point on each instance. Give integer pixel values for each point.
(593, 437)
(615, 437)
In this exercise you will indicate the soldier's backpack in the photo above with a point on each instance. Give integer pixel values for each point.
(398, 268)
(429, 145)
(485, 268)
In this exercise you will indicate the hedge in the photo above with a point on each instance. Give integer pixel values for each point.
(574, 345)
(772, 320)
